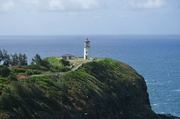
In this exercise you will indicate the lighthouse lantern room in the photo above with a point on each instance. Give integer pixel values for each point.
(86, 49)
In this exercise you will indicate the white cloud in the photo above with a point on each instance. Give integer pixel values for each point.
(62, 5)
(56, 5)
(6, 5)
(71, 5)
(87, 4)
(35, 2)
(148, 4)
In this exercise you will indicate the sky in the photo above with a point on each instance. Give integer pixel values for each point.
(96, 17)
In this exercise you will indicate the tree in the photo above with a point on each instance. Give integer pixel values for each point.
(65, 62)
(4, 71)
(1, 56)
(40, 62)
(22, 59)
(37, 60)
(12, 77)
(14, 60)
(6, 58)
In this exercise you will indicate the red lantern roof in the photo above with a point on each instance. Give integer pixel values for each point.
(87, 40)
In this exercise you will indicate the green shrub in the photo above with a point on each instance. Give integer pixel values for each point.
(33, 66)
(43, 68)
(29, 72)
(12, 77)
(65, 62)
(20, 70)
(4, 71)
(32, 72)
(64, 69)
(53, 61)
(3, 80)
(37, 67)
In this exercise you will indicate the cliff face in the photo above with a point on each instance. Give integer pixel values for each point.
(104, 89)
(124, 91)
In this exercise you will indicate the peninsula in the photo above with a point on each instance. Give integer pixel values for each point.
(98, 89)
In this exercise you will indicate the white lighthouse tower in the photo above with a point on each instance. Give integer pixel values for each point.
(86, 49)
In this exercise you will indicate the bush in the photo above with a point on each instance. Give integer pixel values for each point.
(65, 62)
(43, 68)
(12, 77)
(32, 72)
(33, 66)
(64, 69)
(29, 72)
(20, 70)
(4, 71)
(36, 67)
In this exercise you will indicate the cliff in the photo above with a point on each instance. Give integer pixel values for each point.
(104, 89)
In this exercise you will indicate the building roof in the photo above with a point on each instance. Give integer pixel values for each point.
(67, 55)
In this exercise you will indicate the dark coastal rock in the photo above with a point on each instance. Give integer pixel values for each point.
(167, 116)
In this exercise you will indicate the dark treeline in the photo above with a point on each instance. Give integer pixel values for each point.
(17, 64)
(12, 59)
(20, 59)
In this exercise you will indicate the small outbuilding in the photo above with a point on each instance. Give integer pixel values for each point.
(67, 57)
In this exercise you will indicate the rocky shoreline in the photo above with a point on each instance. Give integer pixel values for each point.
(167, 116)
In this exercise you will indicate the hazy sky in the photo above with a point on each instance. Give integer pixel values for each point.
(59, 17)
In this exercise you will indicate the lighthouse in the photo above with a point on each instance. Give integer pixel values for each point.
(86, 49)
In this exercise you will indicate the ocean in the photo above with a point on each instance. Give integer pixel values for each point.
(155, 57)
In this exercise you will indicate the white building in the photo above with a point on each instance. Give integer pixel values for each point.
(86, 49)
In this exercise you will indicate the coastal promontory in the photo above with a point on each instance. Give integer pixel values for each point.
(99, 89)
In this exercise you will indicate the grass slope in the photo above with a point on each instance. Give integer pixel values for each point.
(104, 89)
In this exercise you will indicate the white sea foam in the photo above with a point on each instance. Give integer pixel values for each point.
(178, 90)
(155, 104)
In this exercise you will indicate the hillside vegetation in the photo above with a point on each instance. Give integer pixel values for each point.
(103, 89)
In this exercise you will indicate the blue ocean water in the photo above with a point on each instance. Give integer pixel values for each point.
(156, 58)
